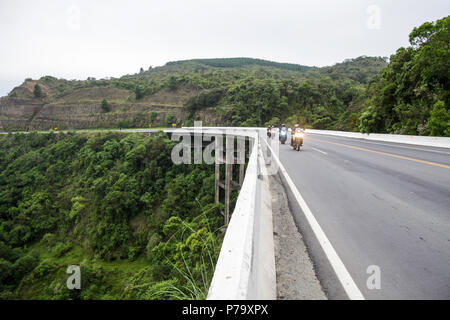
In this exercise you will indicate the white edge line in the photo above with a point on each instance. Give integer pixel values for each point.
(339, 268)
(319, 151)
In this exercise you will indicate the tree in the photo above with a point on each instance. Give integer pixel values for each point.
(139, 91)
(153, 116)
(170, 119)
(412, 93)
(37, 91)
(5, 269)
(274, 122)
(123, 124)
(173, 83)
(439, 123)
(24, 265)
(105, 105)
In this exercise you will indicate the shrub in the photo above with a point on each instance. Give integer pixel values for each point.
(37, 91)
(24, 265)
(60, 249)
(105, 105)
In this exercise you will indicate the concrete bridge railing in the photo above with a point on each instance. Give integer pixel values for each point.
(441, 142)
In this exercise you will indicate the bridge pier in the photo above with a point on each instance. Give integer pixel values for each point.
(228, 184)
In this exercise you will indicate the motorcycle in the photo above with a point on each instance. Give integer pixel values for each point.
(297, 140)
(283, 136)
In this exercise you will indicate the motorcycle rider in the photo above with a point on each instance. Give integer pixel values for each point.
(283, 133)
(297, 137)
(293, 130)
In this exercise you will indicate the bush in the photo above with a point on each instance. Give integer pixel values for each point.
(6, 269)
(154, 240)
(60, 249)
(24, 265)
(49, 240)
(37, 91)
(139, 92)
(105, 105)
(153, 116)
(170, 119)
(439, 123)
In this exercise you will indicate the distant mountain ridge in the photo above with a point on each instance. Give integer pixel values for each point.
(243, 62)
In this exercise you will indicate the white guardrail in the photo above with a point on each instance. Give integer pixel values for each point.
(440, 142)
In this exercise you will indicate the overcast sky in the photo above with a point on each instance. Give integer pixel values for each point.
(78, 39)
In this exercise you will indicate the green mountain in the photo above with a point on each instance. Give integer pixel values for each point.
(242, 63)
(236, 91)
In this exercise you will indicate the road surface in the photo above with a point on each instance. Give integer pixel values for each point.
(382, 204)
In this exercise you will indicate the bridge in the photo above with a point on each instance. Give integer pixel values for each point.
(351, 216)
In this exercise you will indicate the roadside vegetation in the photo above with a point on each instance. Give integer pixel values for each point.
(412, 94)
(139, 226)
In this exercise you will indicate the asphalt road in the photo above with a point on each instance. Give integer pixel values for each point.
(382, 204)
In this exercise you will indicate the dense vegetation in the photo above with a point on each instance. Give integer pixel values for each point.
(411, 95)
(139, 226)
(251, 92)
(242, 62)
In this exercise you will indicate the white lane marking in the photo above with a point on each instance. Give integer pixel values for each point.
(339, 268)
(386, 144)
(319, 151)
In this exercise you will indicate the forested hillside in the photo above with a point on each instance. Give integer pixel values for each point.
(242, 63)
(238, 92)
(114, 204)
(412, 94)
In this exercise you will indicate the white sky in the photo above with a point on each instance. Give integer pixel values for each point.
(101, 38)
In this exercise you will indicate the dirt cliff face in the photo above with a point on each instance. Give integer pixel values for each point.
(17, 113)
(82, 109)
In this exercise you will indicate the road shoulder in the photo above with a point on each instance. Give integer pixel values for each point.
(296, 277)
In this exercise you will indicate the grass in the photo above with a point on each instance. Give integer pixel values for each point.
(196, 290)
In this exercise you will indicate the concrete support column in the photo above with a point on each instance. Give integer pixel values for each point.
(218, 140)
(229, 161)
(228, 175)
(216, 185)
(241, 158)
(241, 174)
